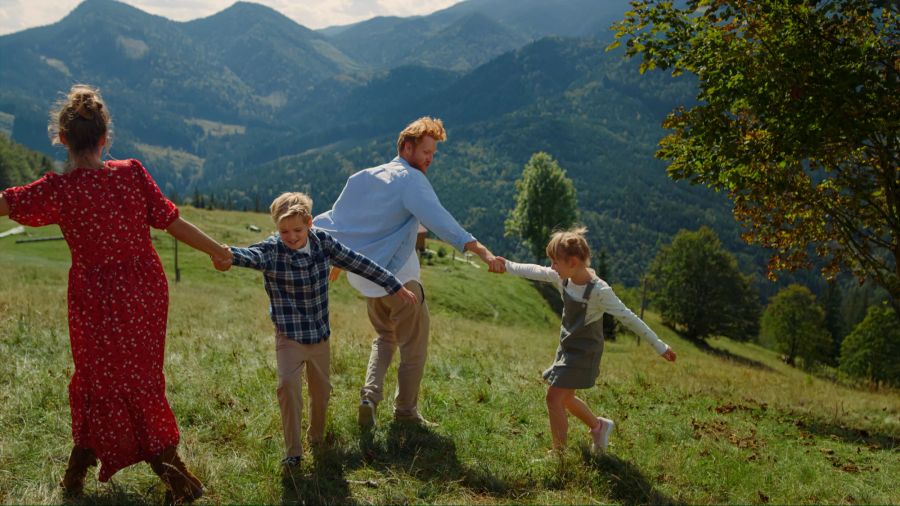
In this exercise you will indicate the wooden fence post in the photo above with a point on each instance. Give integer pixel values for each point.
(177, 270)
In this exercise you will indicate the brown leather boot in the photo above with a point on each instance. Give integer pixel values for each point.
(181, 485)
(79, 462)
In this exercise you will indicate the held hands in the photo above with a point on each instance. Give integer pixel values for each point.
(406, 296)
(223, 258)
(498, 265)
(669, 355)
(495, 264)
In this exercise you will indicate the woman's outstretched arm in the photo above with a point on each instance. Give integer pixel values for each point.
(4, 206)
(189, 234)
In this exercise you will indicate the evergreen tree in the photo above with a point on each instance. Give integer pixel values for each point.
(833, 302)
(197, 200)
(20, 165)
(545, 202)
(609, 322)
(795, 323)
(699, 288)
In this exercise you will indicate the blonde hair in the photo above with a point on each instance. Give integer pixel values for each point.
(82, 118)
(425, 125)
(291, 204)
(569, 243)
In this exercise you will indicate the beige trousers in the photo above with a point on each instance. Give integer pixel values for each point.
(398, 325)
(291, 357)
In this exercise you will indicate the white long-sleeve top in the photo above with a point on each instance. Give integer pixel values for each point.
(602, 300)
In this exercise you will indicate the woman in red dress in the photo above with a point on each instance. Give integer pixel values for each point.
(118, 298)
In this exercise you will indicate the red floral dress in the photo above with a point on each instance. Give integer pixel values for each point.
(118, 304)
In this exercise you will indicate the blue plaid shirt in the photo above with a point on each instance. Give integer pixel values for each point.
(297, 282)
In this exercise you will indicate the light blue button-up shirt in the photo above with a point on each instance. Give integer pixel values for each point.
(379, 210)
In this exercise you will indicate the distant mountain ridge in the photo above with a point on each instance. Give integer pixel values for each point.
(562, 96)
(502, 25)
(267, 50)
(247, 103)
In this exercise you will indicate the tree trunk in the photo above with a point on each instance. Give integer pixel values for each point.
(894, 291)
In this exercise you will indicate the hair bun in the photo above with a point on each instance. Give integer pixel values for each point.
(85, 103)
(85, 106)
(81, 117)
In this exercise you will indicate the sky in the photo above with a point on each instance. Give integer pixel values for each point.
(17, 15)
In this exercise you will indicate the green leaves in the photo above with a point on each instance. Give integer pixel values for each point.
(545, 202)
(699, 288)
(798, 119)
(20, 165)
(795, 323)
(872, 350)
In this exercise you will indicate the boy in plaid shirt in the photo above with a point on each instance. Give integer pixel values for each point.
(295, 265)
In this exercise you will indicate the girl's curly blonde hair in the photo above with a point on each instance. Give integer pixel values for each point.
(569, 243)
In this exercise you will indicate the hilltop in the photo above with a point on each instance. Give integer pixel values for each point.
(734, 425)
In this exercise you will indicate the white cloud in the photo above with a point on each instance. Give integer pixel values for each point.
(17, 15)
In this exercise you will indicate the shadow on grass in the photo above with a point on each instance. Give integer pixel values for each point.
(707, 348)
(550, 295)
(627, 484)
(427, 455)
(873, 441)
(114, 495)
(323, 484)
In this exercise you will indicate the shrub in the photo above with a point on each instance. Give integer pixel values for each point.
(872, 349)
(795, 323)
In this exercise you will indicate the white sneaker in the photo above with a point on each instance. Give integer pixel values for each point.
(365, 416)
(600, 435)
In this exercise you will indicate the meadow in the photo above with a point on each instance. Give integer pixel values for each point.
(729, 424)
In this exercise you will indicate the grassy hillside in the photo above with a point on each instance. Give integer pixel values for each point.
(731, 426)
(20, 165)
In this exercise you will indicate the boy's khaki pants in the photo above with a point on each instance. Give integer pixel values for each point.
(398, 325)
(291, 357)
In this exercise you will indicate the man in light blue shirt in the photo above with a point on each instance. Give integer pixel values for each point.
(378, 214)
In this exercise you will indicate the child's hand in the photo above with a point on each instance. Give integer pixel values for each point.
(222, 259)
(334, 274)
(406, 296)
(497, 265)
(669, 355)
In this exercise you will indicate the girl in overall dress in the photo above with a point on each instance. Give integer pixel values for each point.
(577, 365)
(117, 298)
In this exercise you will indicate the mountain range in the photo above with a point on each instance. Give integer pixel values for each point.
(247, 103)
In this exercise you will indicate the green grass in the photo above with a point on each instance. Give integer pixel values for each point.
(730, 426)
(185, 165)
(216, 129)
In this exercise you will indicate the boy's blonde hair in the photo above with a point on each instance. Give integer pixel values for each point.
(291, 204)
(425, 125)
(569, 243)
